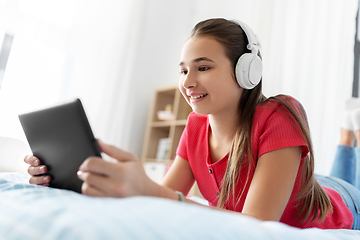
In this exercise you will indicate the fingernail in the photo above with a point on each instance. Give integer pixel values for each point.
(36, 162)
(42, 169)
(79, 172)
(46, 179)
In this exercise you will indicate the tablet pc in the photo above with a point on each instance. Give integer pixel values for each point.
(61, 137)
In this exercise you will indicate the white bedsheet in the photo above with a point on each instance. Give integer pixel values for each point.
(34, 212)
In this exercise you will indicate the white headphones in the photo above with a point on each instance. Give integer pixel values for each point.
(248, 70)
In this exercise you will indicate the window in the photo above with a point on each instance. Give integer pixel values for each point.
(355, 92)
(6, 44)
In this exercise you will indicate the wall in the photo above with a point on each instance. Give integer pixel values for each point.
(113, 54)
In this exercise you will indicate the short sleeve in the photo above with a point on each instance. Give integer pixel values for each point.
(281, 130)
(181, 150)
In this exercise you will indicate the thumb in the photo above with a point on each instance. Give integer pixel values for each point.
(115, 152)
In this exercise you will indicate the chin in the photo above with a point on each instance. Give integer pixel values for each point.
(200, 112)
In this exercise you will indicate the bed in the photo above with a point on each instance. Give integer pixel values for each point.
(35, 212)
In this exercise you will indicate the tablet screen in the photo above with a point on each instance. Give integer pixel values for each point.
(61, 137)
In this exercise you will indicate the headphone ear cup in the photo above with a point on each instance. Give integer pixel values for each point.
(248, 70)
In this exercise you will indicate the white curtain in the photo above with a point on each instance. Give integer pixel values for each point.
(113, 54)
(66, 49)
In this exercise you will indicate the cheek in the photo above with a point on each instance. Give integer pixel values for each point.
(236, 95)
(230, 89)
(181, 87)
(183, 92)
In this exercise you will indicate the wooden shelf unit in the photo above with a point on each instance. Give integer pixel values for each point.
(173, 129)
(156, 129)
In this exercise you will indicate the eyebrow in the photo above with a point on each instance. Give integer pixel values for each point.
(198, 60)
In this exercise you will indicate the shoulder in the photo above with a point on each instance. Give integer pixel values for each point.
(278, 101)
(196, 126)
(278, 105)
(195, 132)
(194, 115)
(196, 119)
(276, 125)
(280, 113)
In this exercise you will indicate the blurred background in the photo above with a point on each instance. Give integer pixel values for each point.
(114, 54)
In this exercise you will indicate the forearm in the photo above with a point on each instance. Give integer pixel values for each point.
(166, 192)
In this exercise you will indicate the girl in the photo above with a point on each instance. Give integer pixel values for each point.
(248, 154)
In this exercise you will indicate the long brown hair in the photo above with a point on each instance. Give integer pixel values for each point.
(312, 197)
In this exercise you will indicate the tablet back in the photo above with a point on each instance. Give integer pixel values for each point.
(61, 137)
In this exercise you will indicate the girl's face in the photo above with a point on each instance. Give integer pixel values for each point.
(207, 79)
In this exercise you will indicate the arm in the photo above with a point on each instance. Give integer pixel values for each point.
(179, 177)
(127, 177)
(272, 184)
(267, 198)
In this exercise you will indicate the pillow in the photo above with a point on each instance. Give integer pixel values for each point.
(12, 153)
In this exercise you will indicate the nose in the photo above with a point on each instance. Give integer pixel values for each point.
(189, 80)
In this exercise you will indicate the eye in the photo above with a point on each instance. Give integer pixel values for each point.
(183, 71)
(202, 68)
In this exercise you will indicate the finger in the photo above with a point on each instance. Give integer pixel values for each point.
(37, 170)
(97, 165)
(40, 180)
(92, 184)
(32, 160)
(89, 190)
(101, 183)
(89, 178)
(115, 152)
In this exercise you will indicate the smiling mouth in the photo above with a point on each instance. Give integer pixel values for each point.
(198, 96)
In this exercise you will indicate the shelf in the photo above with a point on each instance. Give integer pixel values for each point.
(181, 122)
(155, 135)
(156, 129)
(173, 129)
(169, 123)
(161, 124)
(176, 135)
(163, 98)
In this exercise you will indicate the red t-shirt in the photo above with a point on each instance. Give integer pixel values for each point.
(273, 128)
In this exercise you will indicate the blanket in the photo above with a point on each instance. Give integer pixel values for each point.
(36, 212)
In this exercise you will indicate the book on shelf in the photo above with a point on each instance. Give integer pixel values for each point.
(163, 148)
